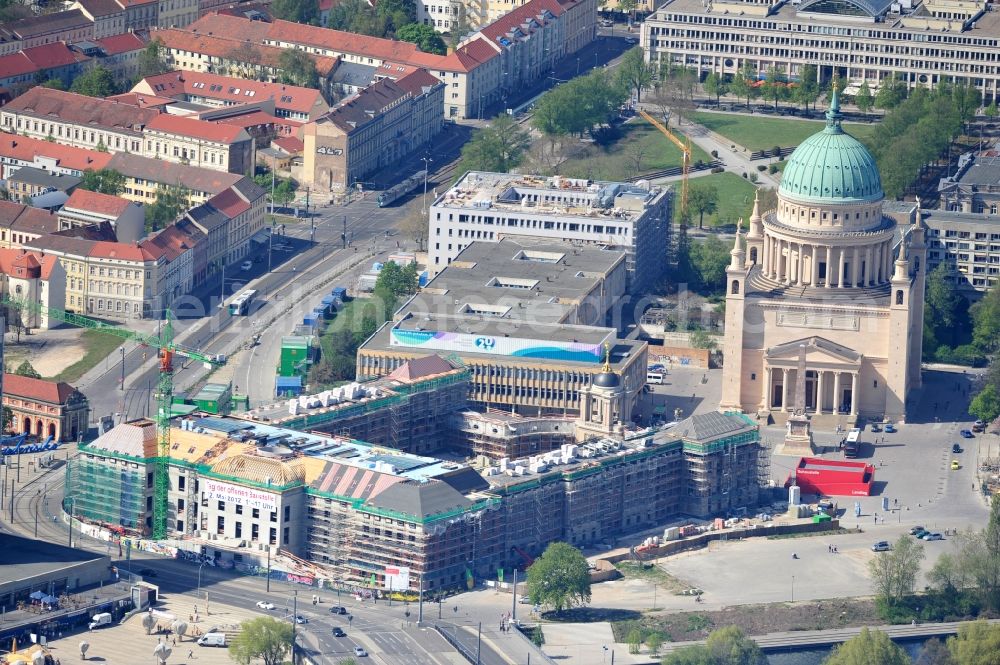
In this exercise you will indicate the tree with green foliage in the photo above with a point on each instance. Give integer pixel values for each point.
(425, 37)
(694, 655)
(499, 147)
(580, 105)
(708, 260)
(103, 181)
(775, 85)
(946, 313)
(298, 68)
(864, 99)
(12, 10)
(807, 90)
(654, 642)
(53, 84)
(743, 82)
(265, 638)
(991, 111)
(703, 199)
(25, 369)
(986, 322)
(731, 646)
(714, 86)
(894, 573)
(967, 99)
(96, 82)
(871, 647)
(977, 643)
(559, 578)
(152, 59)
(297, 11)
(171, 202)
(986, 404)
(284, 192)
(891, 93)
(634, 641)
(634, 73)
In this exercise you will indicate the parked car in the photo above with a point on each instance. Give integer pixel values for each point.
(358, 651)
(246, 265)
(265, 605)
(147, 572)
(876, 427)
(890, 428)
(955, 448)
(915, 530)
(339, 632)
(881, 546)
(338, 610)
(966, 434)
(933, 536)
(920, 534)
(955, 466)
(299, 619)
(979, 426)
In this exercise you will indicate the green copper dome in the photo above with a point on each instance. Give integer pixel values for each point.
(832, 166)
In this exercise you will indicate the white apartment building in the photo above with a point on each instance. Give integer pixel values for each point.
(968, 243)
(488, 207)
(856, 40)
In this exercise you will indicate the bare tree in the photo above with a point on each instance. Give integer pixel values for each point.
(414, 226)
(549, 155)
(635, 154)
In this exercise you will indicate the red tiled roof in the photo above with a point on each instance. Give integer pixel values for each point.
(27, 219)
(171, 242)
(123, 43)
(290, 144)
(215, 86)
(16, 64)
(37, 389)
(102, 204)
(198, 129)
(101, 7)
(50, 56)
(23, 148)
(12, 259)
(141, 100)
(122, 251)
(252, 119)
(80, 109)
(518, 16)
(229, 203)
(48, 262)
(219, 46)
(416, 81)
(232, 27)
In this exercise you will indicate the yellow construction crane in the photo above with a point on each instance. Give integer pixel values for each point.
(685, 149)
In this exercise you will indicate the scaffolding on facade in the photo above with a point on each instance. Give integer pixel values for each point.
(111, 492)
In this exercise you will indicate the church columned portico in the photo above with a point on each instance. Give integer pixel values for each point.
(827, 390)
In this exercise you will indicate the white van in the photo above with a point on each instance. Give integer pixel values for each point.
(655, 378)
(212, 640)
(98, 620)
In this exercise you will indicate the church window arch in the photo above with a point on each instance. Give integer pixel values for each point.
(753, 255)
(735, 290)
(899, 297)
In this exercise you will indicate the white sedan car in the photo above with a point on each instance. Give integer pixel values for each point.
(265, 605)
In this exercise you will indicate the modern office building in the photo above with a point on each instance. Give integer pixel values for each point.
(487, 207)
(823, 286)
(968, 244)
(924, 43)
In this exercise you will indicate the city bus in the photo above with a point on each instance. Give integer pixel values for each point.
(240, 305)
(852, 444)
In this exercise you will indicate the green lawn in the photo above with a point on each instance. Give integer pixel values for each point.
(735, 198)
(764, 132)
(617, 161)
(98, 345)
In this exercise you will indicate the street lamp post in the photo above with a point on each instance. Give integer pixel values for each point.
(222, 287)
(423, 201)
(199, 576)
(122, 387)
